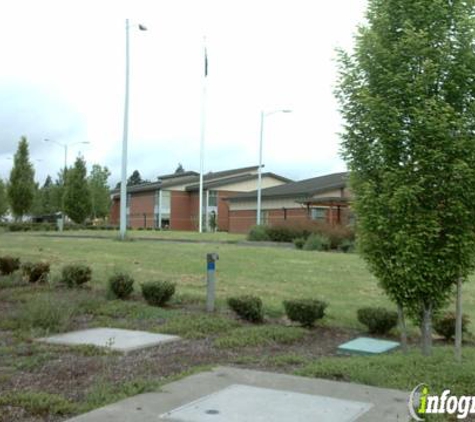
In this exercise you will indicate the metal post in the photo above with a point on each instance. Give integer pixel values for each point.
(123, 184)
(202, 140)
(211, 259)
(259, 173)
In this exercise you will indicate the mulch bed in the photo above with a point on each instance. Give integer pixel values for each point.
(73, 375)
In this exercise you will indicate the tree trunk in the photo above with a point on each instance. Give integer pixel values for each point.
(458, 322)
(402, 327)
(426, 330)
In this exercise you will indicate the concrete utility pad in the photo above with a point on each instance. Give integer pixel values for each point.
(367, 346)
(207, 389)
(113, 338)
(242, 403)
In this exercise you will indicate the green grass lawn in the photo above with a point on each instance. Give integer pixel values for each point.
(155, 234)
(274, 274)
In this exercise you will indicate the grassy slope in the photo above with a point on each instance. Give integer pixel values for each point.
(272, 273)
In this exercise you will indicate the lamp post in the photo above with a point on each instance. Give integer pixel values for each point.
(259, 171)
(65, 146)
(123, 183)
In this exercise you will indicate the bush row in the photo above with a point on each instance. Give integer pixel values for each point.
(120, 285)
(155, 293)
(309, 235)
(380, 321)
(304, 311)
(30, 226)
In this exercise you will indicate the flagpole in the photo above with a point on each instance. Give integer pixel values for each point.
(202, 141)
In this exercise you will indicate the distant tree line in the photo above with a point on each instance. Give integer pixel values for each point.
(80, 195)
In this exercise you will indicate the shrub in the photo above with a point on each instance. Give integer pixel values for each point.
(75, 275)
(283, 233)
(347, 245)
(299, 242)
(36, 272)
(305, 311)
(247, 307)
(445, 325)
(121, 285)
(9, 264)
(158, 293)
(258, 233)
(316, 242)
(378, 320)
(288, 231)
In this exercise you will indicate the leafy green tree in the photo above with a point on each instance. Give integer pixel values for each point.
(3, 199)
(37, 206)
(179, 169)
(135, 179)
(57, 191)
(47, 197)
(77, 196)
(407, 96)
(100, 192)
(21, 189)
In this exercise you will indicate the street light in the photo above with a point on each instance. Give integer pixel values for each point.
(123, 183)
(65, 146)
(259, 171)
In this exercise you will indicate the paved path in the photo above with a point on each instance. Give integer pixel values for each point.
(376, 404)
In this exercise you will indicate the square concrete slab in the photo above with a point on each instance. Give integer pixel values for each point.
(387, 405)
(367, 346)
(113, 338)
(244, 403)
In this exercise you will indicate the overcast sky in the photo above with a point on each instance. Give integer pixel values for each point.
(62, 77)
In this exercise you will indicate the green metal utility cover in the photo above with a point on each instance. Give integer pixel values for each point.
(367, 346)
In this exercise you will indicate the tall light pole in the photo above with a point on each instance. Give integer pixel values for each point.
(259, 171)
(65, 146)
(123, 183)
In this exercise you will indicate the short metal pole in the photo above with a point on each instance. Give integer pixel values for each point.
(211, 259)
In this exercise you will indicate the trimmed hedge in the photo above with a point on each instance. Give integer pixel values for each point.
(337, 236)
(121, 285)
(258, 234)
(76, 275)
(247, 307)
(445, 325)
(378, 320)
(36, 272)
(317, 242)
(9, 264)
(305, 311)
(158, 293)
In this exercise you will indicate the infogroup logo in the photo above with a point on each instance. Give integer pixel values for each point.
(422, 403)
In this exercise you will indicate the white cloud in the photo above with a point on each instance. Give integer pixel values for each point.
(65, 61)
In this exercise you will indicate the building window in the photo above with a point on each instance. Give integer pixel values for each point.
(165, 202)
(318, 214)
(157, 199)
(212, 198)
(162, 209)
(127, 203)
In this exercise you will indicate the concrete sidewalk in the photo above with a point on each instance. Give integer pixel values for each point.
(208, 396)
